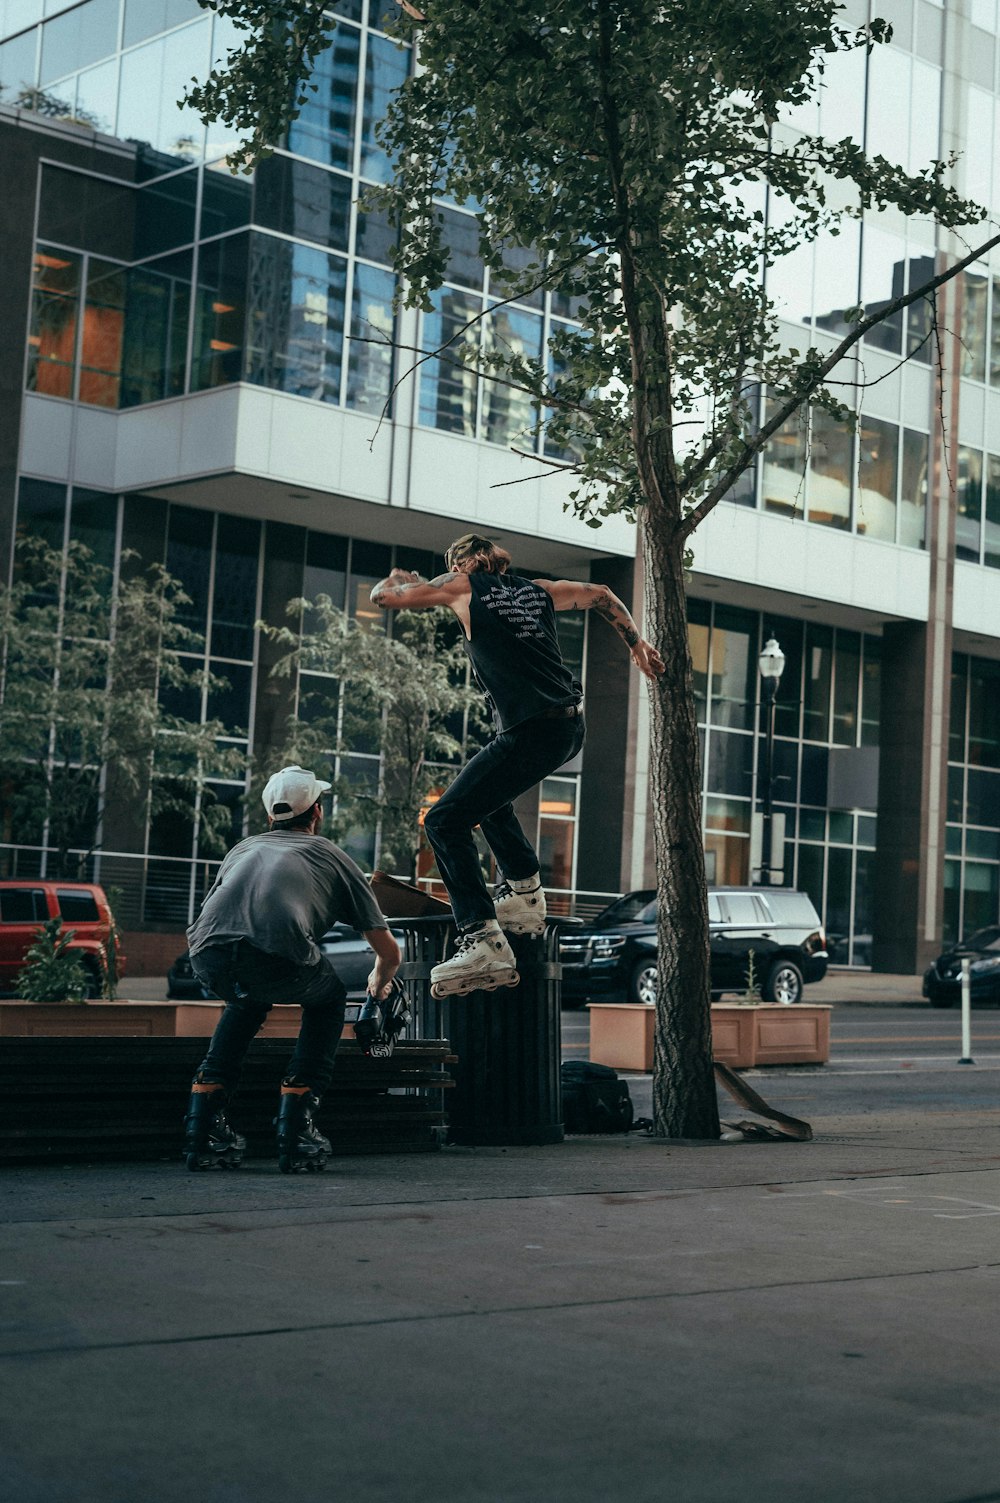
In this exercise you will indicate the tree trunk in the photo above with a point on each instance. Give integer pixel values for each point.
(684, 1099)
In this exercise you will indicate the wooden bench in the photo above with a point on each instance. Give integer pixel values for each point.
(73, 1099)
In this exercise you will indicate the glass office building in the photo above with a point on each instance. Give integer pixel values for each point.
(208, 367)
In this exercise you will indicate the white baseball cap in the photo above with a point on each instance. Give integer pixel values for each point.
(291, 791)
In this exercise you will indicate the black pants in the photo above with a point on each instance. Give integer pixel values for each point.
(482, 795)
(250, 982)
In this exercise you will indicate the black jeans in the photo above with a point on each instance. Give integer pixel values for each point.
(507, 766)
(250, 982)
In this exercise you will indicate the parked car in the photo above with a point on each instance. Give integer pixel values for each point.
(27, 904)
(943, 980)
(350, 952)
(616, 953)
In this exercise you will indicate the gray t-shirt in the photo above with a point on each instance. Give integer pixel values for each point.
(282, 891)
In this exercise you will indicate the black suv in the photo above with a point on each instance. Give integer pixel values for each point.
(616, 952)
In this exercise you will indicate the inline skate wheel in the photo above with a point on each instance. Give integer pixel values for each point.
(437, 991)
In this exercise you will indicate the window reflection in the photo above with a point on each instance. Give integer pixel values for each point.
(153, 79)
(508, 414)
(969, 504)
(103, 334)
(156, 327)
(974, 290)
(785, 464)
(386, 67)
(882, 264)
(991, 530)
(913, 489)
(324, 130)
(296, 318)
(219, 313)
(77, 38)
(369, 366)
(816, 691)
(18, 66)
(52, 335)
(920, 315)
(831, 450)
(878, 458)
(734, 668)
(147, 18)
(447, 384)
(234, 597)
(303, 201)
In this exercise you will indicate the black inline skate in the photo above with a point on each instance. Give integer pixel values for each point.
(209, 1141)
(378, 1023)
(301, 1148)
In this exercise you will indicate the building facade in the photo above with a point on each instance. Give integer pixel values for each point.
(207, 368)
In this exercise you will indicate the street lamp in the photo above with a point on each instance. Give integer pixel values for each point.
(771, 663)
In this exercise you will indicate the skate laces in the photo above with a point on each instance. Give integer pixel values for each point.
(503, 890)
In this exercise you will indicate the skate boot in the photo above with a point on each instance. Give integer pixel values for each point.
(301, 1148)
(209, 1141)
(520, 906)
(483, 962)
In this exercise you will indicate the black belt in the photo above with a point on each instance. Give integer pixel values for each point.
(560, 712)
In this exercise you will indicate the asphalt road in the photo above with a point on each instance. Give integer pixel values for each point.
(881, 1060)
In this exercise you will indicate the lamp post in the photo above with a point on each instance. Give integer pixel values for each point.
(771, 663)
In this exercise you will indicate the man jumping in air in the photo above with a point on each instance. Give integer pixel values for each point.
(509, 629)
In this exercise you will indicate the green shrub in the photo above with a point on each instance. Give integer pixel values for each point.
(53, 972)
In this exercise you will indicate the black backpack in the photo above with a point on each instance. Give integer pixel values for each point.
(594, 1099)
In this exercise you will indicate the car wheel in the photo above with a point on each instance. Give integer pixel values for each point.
(95, 985)
(784, 983)
(643, 984)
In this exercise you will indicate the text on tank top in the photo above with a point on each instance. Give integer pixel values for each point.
(514, 648)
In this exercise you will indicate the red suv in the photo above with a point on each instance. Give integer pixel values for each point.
(82, 906)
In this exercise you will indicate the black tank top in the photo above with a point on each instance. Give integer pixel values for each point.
(515, 650)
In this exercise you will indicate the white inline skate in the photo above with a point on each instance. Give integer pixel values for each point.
(520, 906)
(484, 961)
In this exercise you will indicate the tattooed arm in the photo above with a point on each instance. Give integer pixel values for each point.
(404, 591)
(568, 595)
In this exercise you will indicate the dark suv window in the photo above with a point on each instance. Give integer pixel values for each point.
(78, 907)
(23, 905)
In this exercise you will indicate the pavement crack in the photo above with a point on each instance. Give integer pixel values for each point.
(490, 1312)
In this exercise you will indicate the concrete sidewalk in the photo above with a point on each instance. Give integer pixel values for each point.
(610, 1319)
(839, 985)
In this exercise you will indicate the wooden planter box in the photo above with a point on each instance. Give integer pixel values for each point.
(123, 1019)
(743, 1035)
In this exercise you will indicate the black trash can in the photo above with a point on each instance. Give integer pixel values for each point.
(508, 1043)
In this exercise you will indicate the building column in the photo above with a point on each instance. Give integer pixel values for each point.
(913, 725)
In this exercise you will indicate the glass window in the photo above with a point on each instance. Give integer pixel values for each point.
(913, 489)
(52, 335)
(974, 290)
(920, 315)
(164, 215)
(386, 67)
(301, 200)
(226, 200)
(969, 492)
(956, 794)
(324, 130)
(842, 95)
(883, 259)
(374, 236)
(296, 318)
(153, 79)
(837, 258)
(831, 451)
(956, 718)
(983, 843)
(784, 773)
(460, 236)
(370, 358)
(728, 814)
(147, 18)
(18, 66)
(189, 558)
(925, 115)
(730, 763)
(888, 130)
(571, 630)
(699, 616)
(219, 312)
(982, 801)
(871, 691)
(229, 700)
(977, 145)
(81, 36)
(984, 713)
(734, 667)
(447, 384)
(103, 333)
(23, 905)
(952, 890)
(785, 464)
(980, 895)
(995, 330)
(93, 521)
(509, 414)
(370, 562)
(156, 329)
(991, 530)
(847, 668)
(78, 907)
(78, 209)
(96, 95)
(787, 701)
(326, 568)
(816, 697)
(234, 599)
(555, 852)
(878, 459)
(41, 511)
(815, 766)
